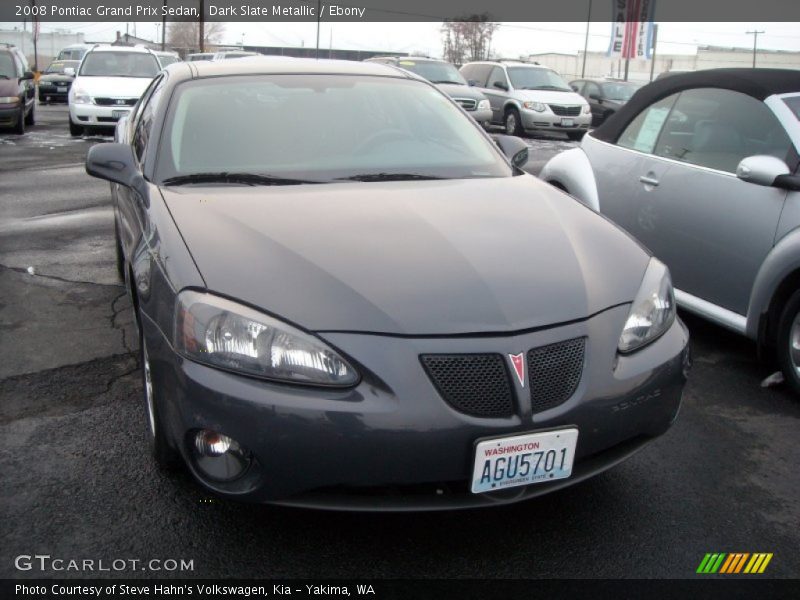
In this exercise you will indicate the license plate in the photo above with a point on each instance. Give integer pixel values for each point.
(61, 89)
(567, 122)
(508, 462)
(118, 114)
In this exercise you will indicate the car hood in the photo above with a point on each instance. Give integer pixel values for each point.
(9, 87)
(114, 87)
(550, 96)
(430, 257)
(56, 77)
(461, 91)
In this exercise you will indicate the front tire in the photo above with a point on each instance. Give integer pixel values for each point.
(75, 130)
(19, 128)
(512, 122)
(789, 342)
(31, 118)
(164, 455)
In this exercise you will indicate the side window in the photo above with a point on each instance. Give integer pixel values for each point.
(497, 76)
(642, 133)
(592, 88)
(18, 65)
(717, 128)
(145, 117)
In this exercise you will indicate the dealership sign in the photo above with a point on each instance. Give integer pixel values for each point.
(631, 29)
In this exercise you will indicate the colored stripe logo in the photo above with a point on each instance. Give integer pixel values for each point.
(735, 562)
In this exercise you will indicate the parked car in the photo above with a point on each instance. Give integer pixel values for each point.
(74, 52)
(17, 90)
(56, 80)
(166, 58)
(604, 97)
(227, 54)
(447, 78)
(332, 315)
(526, 98)
(703, 168)
(109, 82)
(199, 56)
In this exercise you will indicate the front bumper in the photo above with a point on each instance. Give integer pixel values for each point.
(97, 116)
(392, 443)
(481, 116)
(548, 121)
(9, 114)
(49, 93)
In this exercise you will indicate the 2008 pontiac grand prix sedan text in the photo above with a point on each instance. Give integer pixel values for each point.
(348, 297)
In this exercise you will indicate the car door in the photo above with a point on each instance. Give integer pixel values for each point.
(712, 229)
(496, 90)
(594, 96)
(131, 209)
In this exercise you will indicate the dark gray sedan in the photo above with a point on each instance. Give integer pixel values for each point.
(350, 296)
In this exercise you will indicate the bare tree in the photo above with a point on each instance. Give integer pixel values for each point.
(186, 34)
(468, 38)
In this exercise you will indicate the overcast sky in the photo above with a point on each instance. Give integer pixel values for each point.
(510, 40)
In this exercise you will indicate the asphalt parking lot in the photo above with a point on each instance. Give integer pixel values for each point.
(78, 482)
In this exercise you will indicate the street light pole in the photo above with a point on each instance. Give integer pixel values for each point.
(586, 40)
(319, 16)
(754, 33)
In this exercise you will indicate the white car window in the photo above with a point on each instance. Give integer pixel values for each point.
(642, 133)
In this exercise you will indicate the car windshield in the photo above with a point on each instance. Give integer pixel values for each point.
(793, 102)
(320, 128)
(531, 78)
(71, 54)
(59, 66)
(435, 72)
(619, 91)
(7, 66)
(119, 64)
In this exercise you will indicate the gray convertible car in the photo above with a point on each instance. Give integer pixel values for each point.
(350, 296)
(703, 168)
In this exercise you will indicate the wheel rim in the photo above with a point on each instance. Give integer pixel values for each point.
(148, 390)
(511, 123)
(794, 343)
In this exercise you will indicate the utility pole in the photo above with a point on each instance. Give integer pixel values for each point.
(653, 55)
(319, 16)
(164, 28)
(586, 41)
(754, 33)
(202, 26)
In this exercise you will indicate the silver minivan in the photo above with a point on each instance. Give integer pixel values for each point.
(527, 97)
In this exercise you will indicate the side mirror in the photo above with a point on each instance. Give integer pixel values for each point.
(472, 82)
(27, 75)
(761, 169)
(69, 71)
(500, 86)
(113, 162)
(513, 147)
(595, 97)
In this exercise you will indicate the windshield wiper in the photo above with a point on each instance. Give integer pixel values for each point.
(226, 177)
(389, 177)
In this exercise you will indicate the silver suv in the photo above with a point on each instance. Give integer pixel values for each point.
(527, 97)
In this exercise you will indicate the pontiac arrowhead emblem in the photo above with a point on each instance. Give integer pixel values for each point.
(519, 367)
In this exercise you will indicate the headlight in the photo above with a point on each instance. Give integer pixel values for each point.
(81, 97)
(653, 310)
(484, 105)
(9, 100)
(224, 334)
(586, 109)
(537, 106)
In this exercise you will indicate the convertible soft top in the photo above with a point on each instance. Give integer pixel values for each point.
(758, 83)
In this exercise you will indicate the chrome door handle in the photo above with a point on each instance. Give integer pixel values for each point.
(648, 180)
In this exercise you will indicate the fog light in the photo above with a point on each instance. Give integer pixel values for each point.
(219, 456)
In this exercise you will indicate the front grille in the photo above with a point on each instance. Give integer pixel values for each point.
(467, 103)
(565, 111)
(554, 372)
(115, 101)
(475, 384)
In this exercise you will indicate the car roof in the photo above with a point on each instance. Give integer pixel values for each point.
(110, 48)
(508, 63)
(757, 83)
(275, 65)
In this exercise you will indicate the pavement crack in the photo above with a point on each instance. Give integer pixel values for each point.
(121, 327)
(25, 271)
